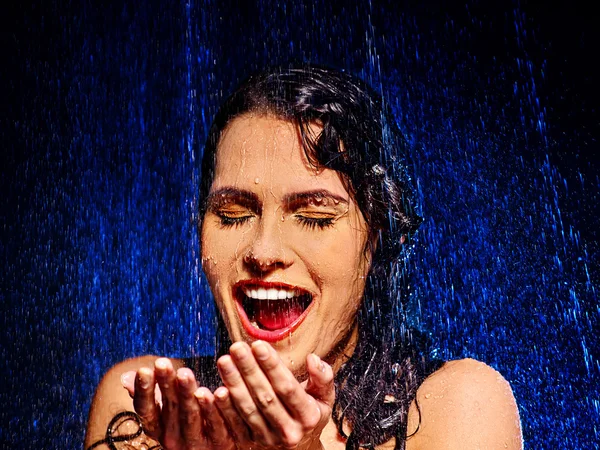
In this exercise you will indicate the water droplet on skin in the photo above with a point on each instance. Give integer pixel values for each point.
(282, 218)
(427, 395)
(256, 180)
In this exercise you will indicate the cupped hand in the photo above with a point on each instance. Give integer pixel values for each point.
(178, 414)
(265, 406)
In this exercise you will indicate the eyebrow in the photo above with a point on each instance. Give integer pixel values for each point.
(226, 195)
(250, 200)
(297, 199)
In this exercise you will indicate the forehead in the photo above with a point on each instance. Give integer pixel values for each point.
(259, 150)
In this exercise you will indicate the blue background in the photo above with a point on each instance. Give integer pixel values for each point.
(105, 112)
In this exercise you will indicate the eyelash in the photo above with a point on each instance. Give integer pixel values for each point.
(308, 222)
(227, 222)
(312, 222)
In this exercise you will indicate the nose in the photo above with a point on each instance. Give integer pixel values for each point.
(266, 251)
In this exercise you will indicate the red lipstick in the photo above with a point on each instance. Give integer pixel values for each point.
(259, 316)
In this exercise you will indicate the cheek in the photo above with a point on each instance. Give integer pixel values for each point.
(341, 258)
(215, 255)
(342, 268)
(348, 273)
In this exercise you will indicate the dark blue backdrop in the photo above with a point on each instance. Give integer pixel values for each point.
(106, 111)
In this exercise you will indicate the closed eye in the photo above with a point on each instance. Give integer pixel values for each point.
(233, 218)
(313, 222)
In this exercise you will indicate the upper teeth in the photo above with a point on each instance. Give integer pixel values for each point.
(269, 294)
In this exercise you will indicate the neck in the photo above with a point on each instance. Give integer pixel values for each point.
(344, 350)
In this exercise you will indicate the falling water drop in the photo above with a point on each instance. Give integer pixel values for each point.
(111, 105)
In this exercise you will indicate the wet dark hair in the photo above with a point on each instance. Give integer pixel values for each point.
(361, 141)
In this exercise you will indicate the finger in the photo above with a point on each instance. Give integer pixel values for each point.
(258, 385)
(320, 380)
(167, 382)
(239, 395)
(234, 421)
(190, 422)
(214, 428)
(128, 382)
(300, 405)
(144, 403)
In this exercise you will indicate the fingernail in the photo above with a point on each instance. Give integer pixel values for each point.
(127, 379)
(260, 350)
(143, 382)
(316, 361)
(323, 366)
(183, 379)
(239, 351)
(320, 363)
(207, 407)
(161, 363)
(221, 394)
(225, 365)
(144, 375)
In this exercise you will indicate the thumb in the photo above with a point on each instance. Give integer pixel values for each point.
(320, 380)
(128, 382)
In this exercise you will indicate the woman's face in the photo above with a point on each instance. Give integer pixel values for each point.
(283, 243)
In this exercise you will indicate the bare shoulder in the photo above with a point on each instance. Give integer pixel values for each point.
(465, 404)
(111, 400)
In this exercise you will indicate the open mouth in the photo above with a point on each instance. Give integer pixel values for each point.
(271, 311)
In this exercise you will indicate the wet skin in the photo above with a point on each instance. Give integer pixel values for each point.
(261, 404)
(274, 222)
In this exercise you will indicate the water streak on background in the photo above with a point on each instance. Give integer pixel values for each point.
(108, 107)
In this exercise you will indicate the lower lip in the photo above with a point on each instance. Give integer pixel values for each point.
(269, 335)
